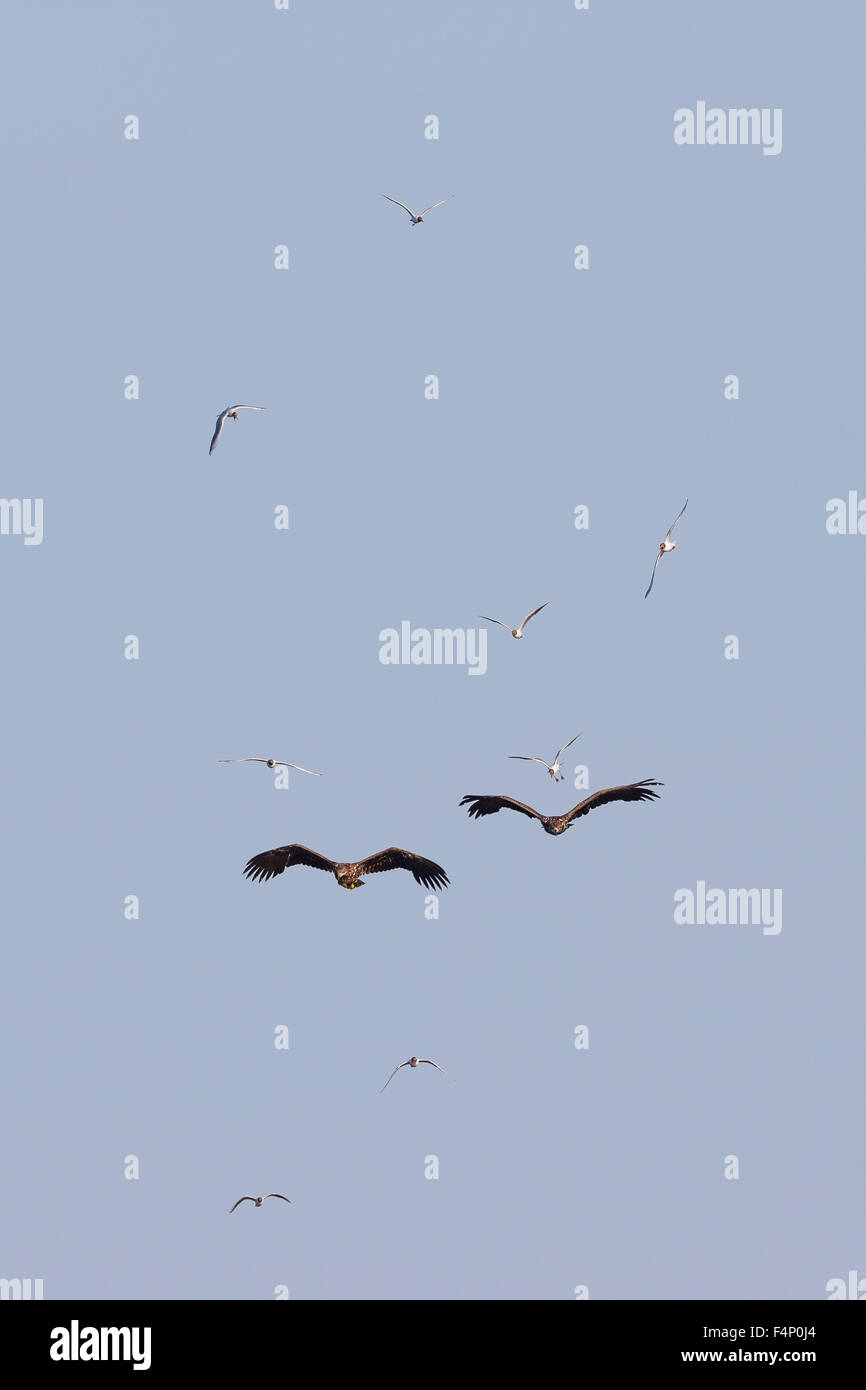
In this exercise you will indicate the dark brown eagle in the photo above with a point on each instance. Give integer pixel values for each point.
(274, 861)
(555, 825)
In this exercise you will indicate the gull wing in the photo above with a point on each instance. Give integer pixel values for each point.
(393, 1074)
(653, 575)
(676, 518)
(400, 205)
(437, 205)
(566, 745)
(532, 614)
(221, 419)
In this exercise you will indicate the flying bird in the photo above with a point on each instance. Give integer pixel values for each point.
(515, 631)
(274, 861)
(552, 768)
(413, 1062)
(419, 217)
(555, 825)
(230, 413)
(667, 544)
(257, 1201)
(271, 762)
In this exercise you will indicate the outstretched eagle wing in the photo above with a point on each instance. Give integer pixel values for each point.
(633, 791)
(424, 871)
(489, 805)
(274, 861)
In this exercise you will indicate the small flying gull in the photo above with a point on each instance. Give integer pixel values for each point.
(275, 861)
(515, 631)
(413, 1062)
(419, 217)
(257, 1201)
(230, 413)
(555, 825)
(552, 768)
(667, 544)
(271, 762)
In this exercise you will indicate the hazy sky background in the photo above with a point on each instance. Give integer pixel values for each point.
(155, 1037)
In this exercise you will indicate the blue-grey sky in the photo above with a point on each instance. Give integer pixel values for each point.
(602, 1167)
